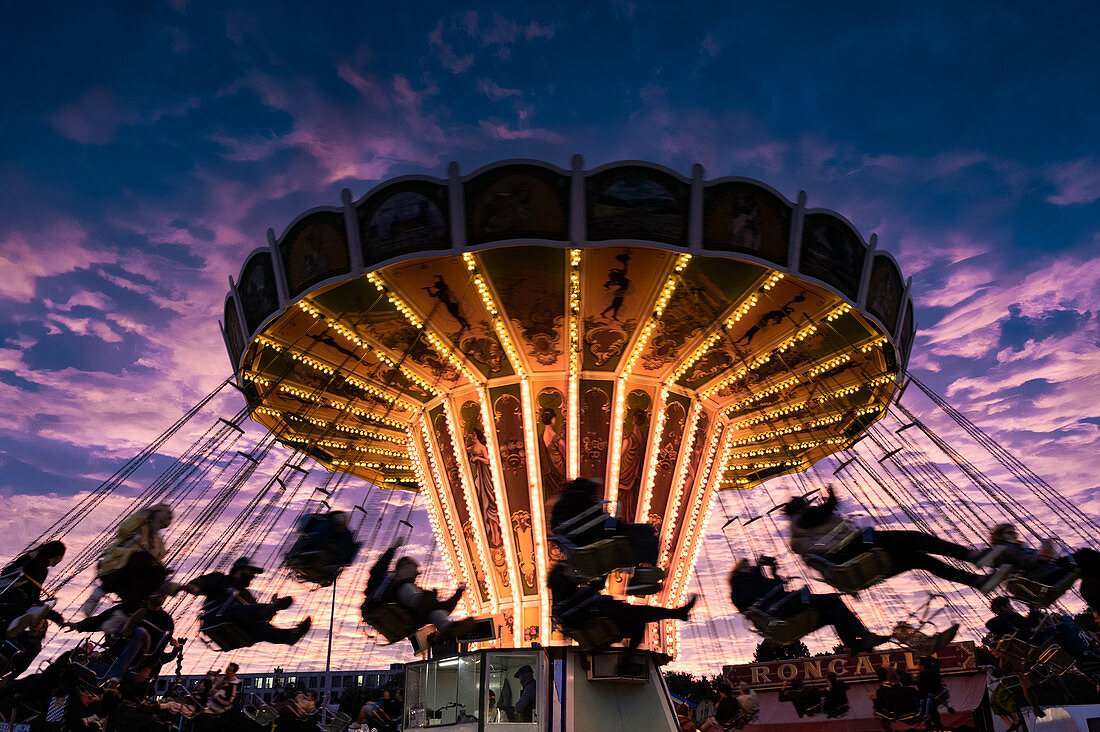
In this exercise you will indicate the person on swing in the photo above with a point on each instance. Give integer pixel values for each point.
(398, 587)
(906, 550)
(749, 585)
(229, 600)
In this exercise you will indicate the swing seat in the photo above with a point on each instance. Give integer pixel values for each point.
(318, 564)
(1056, 660)
(259, 711)
(900, 717)
(858, 573)
(1016, 648)
(839, 538)
(338, 722)
(598, 559)
(1037, 594)
(12, 581)
(225, 636)
(923, 643)
(783, 630)
(392, 621)
(595, 634)
(313, 567)
(646, 581)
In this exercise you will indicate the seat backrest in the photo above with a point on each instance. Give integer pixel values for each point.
(598, 633)
(758, 618)
(1037, 594)
(574, 528)
(392, 621)
(602, 557)
(838, 537)
(858, 573)
(214, 607)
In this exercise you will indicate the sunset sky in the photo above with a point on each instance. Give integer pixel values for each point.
(146, 149)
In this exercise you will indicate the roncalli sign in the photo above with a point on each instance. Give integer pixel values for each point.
(956, 658)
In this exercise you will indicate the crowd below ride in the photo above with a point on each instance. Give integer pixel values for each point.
(106, 679)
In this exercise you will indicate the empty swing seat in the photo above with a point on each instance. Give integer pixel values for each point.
(1038, 594)
(259, 711)
(1056, 660)
(338, 722)
(901, 717)
(858, 573)
(595, 634)
(600, 558)
(1016, 648)
(923, 643)
(783, 630)
(392, 621)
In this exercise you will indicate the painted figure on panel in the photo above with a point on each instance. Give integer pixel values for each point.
(406, 218)
(441, 291)
(632, 457)
(745, 226)
(551, 442)
(506, 210)
(478, 454)
(618, 285)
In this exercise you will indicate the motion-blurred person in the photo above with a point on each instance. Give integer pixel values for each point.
(398, 587)
(704, 709)
(749, 585)
(228, 600)
(749, 705)
(806, 700)
(21, 583)
(133, 566)
(932, 690)
(907, 550)
(325, 546)
(576, 604)
(578, 515)
(893, 700)
(726, 712)
(835, 702)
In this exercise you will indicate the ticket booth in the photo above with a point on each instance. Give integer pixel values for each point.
(536, 690)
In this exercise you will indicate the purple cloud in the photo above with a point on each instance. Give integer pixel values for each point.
(92, 119)
(1076, 182)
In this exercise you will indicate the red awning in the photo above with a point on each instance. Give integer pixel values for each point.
(967, 693)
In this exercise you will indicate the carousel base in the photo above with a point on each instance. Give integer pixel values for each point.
(572, 691)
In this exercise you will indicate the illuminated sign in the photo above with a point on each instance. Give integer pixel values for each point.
(956, 658)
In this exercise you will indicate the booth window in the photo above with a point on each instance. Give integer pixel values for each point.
(513, 687)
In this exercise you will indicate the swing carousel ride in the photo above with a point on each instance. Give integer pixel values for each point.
(483, 340)
(473, 343)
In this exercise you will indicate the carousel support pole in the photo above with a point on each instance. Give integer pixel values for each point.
(328, 655)
(331, 618)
